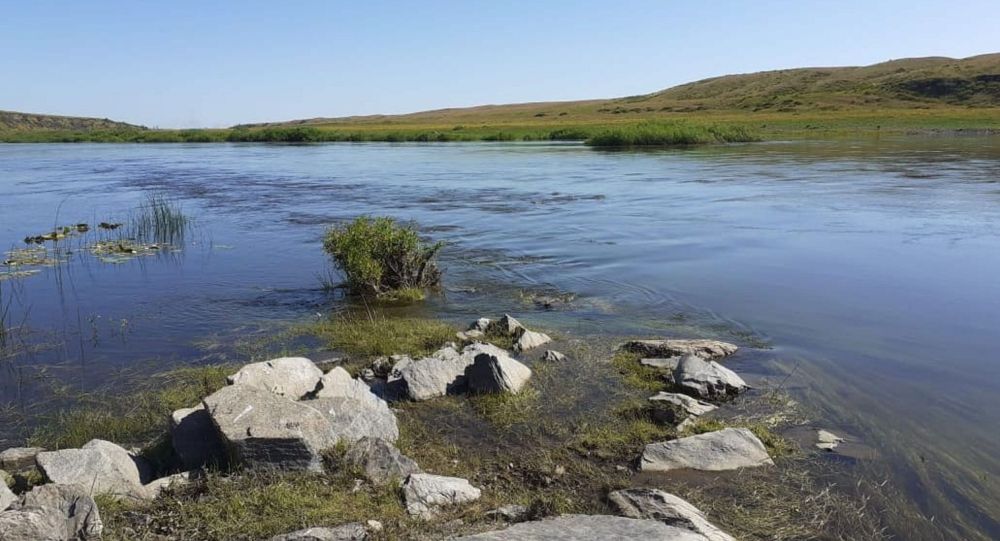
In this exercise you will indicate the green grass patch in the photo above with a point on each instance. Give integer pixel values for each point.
(621, 435)
(372, 335)
(652, 134)
(504, 410)
(639, 376)
(138, 421)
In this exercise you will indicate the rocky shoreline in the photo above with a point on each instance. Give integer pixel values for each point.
(288, 415)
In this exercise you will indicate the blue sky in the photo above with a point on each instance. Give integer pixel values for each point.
(208, 64)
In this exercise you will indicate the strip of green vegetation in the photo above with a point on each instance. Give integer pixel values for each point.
(138, 421)
(652, 134)
(639, 376)
(370, 335)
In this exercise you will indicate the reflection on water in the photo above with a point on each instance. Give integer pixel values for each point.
(873, 264)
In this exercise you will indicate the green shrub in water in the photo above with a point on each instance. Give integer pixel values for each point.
(381, 257)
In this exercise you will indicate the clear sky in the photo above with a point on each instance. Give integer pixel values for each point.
(182, 63)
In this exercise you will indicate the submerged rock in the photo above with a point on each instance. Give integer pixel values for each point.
(552, 355)
(496, 372)
(655, 504)
(706, 349)
(266, 430)
(101, 465)
(588, 528)
(17, 459)
(707, 379)
(195, 439)
(347, 532)
(530, 340)
(827, 441)
(292, 377)
(425, 494)
(380, 461)
(726, 449)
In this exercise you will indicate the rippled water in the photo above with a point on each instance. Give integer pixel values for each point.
(871, 266)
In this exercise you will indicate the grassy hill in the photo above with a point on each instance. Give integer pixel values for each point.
(13, 121)
(908, 95)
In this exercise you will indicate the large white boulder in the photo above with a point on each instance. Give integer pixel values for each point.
(496, 372)
(101, 465)
(707, 379)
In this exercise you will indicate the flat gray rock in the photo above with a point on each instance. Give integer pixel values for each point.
(496, 372)
(707, 379)
(588, 528)
(72, 505)
(265, 430)
(688, 405)
(350, 419)
(195, 439)
(101, 465)
(17, 459)
(726, 449)
(32, 524)
(658, 505)
(425, 493)
(291, 377)
(381, 461)
(530, 340)
(347, 532)
(706, 349)
(669, 363)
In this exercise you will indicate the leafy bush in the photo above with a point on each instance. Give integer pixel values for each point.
(382, 257)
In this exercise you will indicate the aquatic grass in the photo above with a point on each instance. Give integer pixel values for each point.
(158, 220)
(138, 421)
(639, 376)
(653, 134)
(373, 334)
(381, 257)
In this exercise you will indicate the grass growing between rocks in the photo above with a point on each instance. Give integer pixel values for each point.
(139, 420)
(639, 376)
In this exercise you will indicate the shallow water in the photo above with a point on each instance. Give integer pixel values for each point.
(869, 265)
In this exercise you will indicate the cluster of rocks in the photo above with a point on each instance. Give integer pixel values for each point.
(692, 367)
(506, 327)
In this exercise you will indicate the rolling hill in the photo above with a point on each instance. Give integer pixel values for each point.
(13, 121)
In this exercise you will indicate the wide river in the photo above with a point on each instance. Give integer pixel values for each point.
(871, 267)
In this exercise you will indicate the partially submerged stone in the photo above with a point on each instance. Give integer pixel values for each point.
(588, 528)
(425, 494)
(101, 465)
(530, 340)
(17, 459)
(347, 532)
(265, 430)
(706, 349)
(380, 461)
(649, 503)
(707, 379)
(195, 439)
(496, 372)
(827, 441)
(552, 356)
(291, 377)
(726, 449)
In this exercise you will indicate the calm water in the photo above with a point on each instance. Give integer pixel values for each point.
(870, 266)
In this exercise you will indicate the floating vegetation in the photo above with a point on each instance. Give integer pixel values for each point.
(33, 256)
(108, 226)
(14, 275)
(122, 250)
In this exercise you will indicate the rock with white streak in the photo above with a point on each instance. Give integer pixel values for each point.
(649, 503)
(101, 465)
(588, 528)
(496, 372)
(264, 430)
(707, 379)
(706, 349)
(726, 449)
(425, 494)
(291, 377)
(348, 532)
